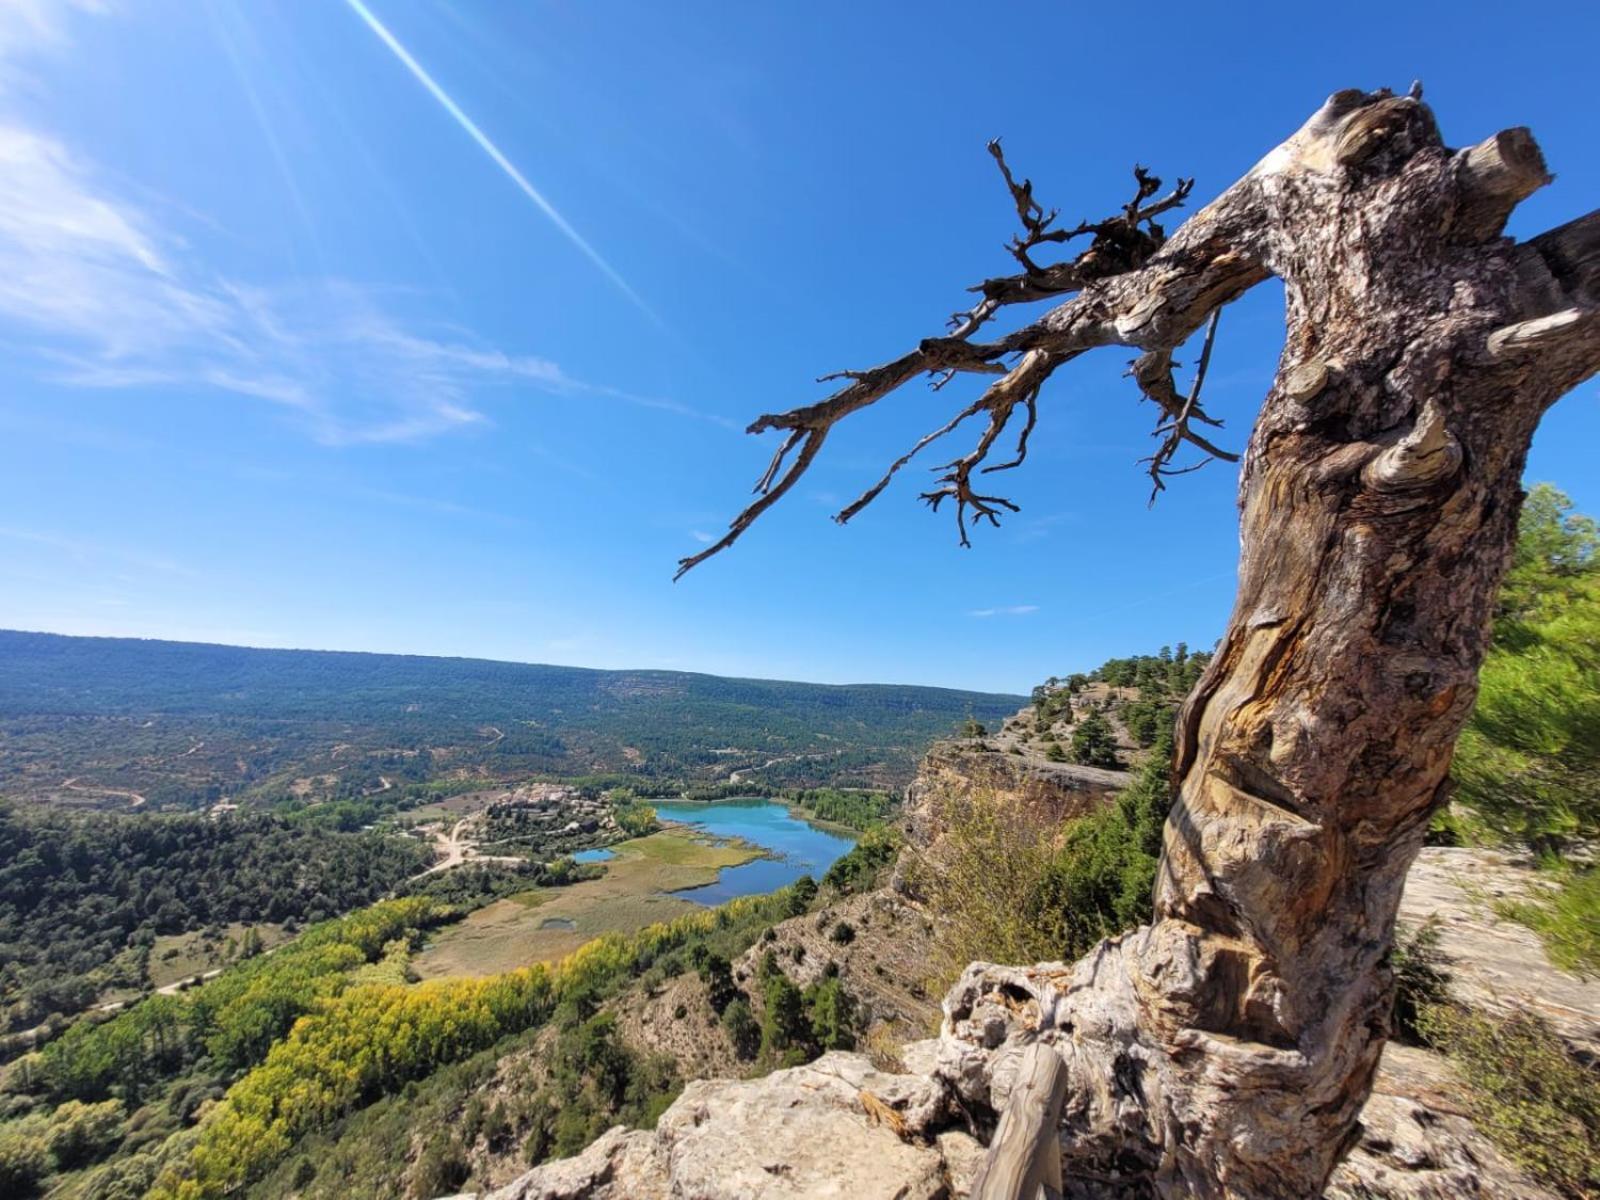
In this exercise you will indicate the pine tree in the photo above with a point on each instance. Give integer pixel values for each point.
(1094, 744)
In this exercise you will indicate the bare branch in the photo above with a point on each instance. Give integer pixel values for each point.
(765, 482)
(769, 497)
(1496, 175)
(871, 494)
(1032, 403)
(985, 507)
(1136, 287)
(1571, 254)
(1019, 386)
(938, 379)
(1153, 373)
(1121, 243)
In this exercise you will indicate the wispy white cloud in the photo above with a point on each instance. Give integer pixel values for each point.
(109, 298)
(432, 504)
(701, 536)
(120, 307)
(1005, 610)
(27, 26)
(1036, 529)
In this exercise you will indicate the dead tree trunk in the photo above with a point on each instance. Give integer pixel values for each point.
(1227, 1050)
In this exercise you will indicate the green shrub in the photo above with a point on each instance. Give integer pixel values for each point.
(982, 880)
(1566, 915)
(441, 1168)
(1527, 1092)
(635, 819)
(24, 1158)
(1094, 743)
(1009, 887)
(858, 809)
(743, 1030)
(1101, 881)
(1528, 763)
(1420, 981)
(831, 1014)
(596, 1081)
(801, 893)
(1147, 718)
(717, 973)
(83, 1133)
(784, 1025)
(860, 869)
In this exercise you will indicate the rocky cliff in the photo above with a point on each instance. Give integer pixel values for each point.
(955, 771)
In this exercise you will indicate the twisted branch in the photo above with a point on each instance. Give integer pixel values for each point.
(1135, 287)
(1121, 243)
(1153, 373)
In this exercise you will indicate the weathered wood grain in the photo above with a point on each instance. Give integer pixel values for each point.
(1025, 1154)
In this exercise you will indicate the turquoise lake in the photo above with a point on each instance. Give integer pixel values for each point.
(796, 846)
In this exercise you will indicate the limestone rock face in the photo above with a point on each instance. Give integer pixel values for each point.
(954, 772)
(1418, 1142)
(834, 1128)
(617, 1164)
(1495, 964)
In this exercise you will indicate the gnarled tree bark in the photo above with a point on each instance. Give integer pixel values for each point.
(1227, 1049)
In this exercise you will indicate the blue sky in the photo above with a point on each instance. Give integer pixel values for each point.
(293, 358)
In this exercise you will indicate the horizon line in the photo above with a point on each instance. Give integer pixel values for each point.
(514, 662)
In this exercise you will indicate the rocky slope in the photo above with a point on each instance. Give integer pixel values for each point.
(908, 1125)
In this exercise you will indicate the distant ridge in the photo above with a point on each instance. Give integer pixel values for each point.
(124, 711)
(35, 641)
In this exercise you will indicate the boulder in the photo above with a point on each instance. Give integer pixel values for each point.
(836, 1127)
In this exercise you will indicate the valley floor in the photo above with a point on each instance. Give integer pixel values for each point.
(545, 924)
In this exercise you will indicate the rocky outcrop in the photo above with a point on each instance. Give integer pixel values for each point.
(834, 1128)
(1418, 1141)
(1495, 964)
(956, 771)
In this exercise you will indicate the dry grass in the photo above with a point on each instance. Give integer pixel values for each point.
(879, 1113)
(632, 894)
(195, 954)
(983, 878)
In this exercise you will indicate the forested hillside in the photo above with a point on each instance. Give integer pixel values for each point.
(84, 897)
(96, 719)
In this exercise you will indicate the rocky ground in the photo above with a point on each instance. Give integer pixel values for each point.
(1496, 964)
(837, 1127)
